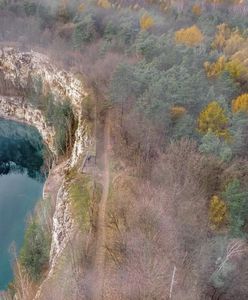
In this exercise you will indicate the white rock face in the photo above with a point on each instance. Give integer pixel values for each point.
(62, 225)
(82, 142)
(14, 108)
(18, 70)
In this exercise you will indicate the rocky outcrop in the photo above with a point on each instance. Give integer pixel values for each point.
(63, 225)
(20, 70)
(14, 108)
(82, 142)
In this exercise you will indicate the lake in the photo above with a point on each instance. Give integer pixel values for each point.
(21, 184)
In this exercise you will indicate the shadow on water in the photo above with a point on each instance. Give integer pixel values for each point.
(22, 176)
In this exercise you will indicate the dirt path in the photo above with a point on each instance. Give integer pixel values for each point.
(101, 224)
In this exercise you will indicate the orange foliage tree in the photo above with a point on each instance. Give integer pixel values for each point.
(177, 112)
(191, 36)
(217, 212)
(240, 104)
(196, 9)
(213, 119)
(146, 22)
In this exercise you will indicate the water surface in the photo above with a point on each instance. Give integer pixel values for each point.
(21, 183)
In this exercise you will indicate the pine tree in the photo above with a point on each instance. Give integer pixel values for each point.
(236, 199)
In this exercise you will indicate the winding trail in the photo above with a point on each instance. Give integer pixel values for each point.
(97, 289)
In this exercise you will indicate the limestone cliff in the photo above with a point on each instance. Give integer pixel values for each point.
(15, 108)
(17, 70)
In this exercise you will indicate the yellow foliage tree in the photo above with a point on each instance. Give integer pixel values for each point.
(227, 40)
(240, 104)
(236, 68)
(216, 68)
(223, 33)
(177, 112)
(104, 3)
(146, 22)
(213, 119)
(217, 212)
(190, 36)
(234, 43)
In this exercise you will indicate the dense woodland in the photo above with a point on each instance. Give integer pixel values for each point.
(174, 77)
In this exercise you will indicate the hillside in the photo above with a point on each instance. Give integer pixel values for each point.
(143, 106)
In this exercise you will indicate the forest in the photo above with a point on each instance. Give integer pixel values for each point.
(171, 80)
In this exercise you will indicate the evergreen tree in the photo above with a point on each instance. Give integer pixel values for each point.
(236, 199)
(85, 31)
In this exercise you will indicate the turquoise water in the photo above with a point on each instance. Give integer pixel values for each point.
(21, 183)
